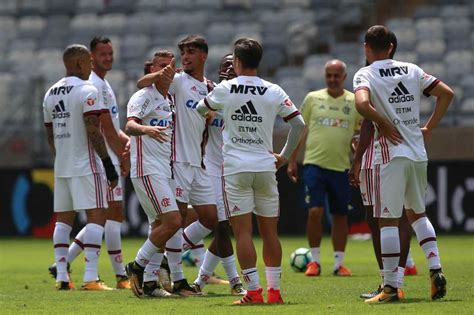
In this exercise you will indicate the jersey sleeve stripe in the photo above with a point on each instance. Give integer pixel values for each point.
(93, 112)
(207, 104)
(292, 115)
(362, 88)
(426, 92)
(138, 120)
(105, 110)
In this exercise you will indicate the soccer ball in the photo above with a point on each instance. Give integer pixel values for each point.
(188, 258)
(299, 259)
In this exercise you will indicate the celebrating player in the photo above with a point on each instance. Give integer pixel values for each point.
(388, 93)
(250, 106)
(71, 116)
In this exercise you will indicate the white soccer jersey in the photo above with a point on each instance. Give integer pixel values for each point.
(64, 107)
(250, 106)
(148, 156)
(213, 158)
(109, 102)
(395, 91)
(188, 139)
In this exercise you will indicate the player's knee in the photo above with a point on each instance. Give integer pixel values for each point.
(315, 213)
(172, 222)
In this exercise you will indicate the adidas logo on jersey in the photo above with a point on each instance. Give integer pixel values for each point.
(247, 112)
(400, 94)
(59, 111)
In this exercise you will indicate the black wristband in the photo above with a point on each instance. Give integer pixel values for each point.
(110, 172)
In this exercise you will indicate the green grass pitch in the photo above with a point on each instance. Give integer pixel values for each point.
(26, 286)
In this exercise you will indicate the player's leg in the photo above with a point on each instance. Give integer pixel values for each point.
(198, 250)
(239, 204)
(405, 232)
(339, 195)
(423, 228)
(267, 209)
(315, 195)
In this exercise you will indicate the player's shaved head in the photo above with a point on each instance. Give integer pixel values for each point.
(74, 52)
(77, 60)
(337, 65)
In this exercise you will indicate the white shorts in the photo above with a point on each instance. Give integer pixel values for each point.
(155, 194)
(217, 184)
(401, 182)
(251, 192)
(80, 193)
(366, 178)
(193, 185)
(116, 194)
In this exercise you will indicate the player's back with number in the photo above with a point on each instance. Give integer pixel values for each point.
(65, 104)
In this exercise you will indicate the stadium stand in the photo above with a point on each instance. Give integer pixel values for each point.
(299, 36)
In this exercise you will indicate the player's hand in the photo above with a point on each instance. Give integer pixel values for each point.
(125, 167)
(354, 173)
(126, 151)
(292, 171)
(388, 130)
(158, 133)
(280, 160)
(426, 133)
(113, 184)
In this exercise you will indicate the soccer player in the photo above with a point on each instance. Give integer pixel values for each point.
(193, 185)
(213, 161)
(118, 149)
(249, 107)
(71, 115)
(388, 93)
(332, 122)
(150, 120)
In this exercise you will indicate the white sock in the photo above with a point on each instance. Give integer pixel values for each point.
(390, 245)
(338, 259)
(273, 275)
(145, 253)
(92, 243)
(152, 269)
(207, 268)
(198, 253)
(77, 246)
(61, 245)
(426, 236)
(230, 270)
(401, 276)
(410, 262)
(381, 275)
(173, 252)
(113, 240)
(250, 276)
(194, 233)
(315, 254)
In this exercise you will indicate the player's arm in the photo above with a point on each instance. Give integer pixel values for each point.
(365, 108)
(164, 77)
(50, 135)
(297, 127)
(444, 95)
(213, 101)
(110, 133)
(135, 128)
(365, 136)
(292, 169)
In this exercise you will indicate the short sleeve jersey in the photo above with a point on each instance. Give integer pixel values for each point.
(395, 91)
(64, 107)
(213, 158)
(109, 102)
(148, 156)
(331, 123)
(249, 105)
(188, 139)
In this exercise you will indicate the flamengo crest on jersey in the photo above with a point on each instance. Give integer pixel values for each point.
(109, 103)
(249, 107)
(64, 107)
(395, 91)
(148, 156)
(189, 124)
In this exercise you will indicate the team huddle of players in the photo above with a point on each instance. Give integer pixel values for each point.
(188, 141)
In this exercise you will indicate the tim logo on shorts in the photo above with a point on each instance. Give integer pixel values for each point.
(247, 112)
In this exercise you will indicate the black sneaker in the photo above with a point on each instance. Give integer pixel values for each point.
(135, 274)
(438, 284)
(53, 271)
(62, 286)
(182, 288)
(370, 295)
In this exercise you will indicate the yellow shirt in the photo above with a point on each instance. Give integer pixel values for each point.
(331, 124)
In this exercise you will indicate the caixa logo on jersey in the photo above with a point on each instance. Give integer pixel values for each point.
(114, 110)
(160, 122)
(192, 104)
